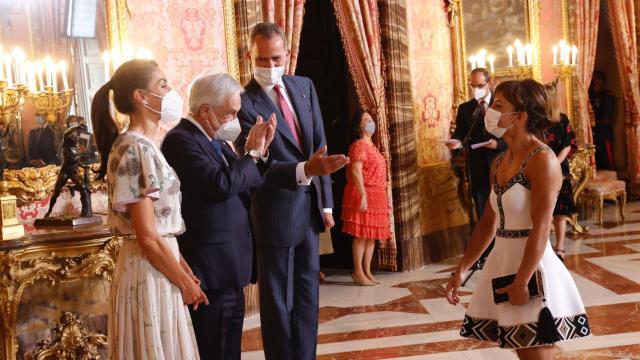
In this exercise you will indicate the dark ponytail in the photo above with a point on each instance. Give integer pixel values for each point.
(130, 76)
(104, 127)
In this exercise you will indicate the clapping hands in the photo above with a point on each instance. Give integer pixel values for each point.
(261, 134)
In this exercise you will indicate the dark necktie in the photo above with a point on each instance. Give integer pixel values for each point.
(483, 107)
(217, 147)
(288, 114)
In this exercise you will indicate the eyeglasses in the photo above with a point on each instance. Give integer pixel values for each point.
(478, 86)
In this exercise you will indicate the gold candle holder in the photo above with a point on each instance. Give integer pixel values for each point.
(521, 72)
(50, 103)
(564, 71)
(11, 101)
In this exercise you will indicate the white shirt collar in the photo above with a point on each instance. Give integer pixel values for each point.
(487, 99)
(268, 88)
(197, 124)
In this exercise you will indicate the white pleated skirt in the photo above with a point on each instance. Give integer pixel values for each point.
(147, 318)
(517, 326)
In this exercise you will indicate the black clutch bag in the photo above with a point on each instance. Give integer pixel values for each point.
(535, 286)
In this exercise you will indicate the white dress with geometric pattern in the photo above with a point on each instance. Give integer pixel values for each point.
(516, 326)
(148, 319)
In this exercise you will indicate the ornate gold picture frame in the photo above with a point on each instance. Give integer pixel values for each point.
(460, 50)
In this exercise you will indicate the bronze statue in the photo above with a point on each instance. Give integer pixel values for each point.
(70, 170)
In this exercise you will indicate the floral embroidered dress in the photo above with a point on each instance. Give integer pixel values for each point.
(373, 223)
(148, 319)
(560, 136)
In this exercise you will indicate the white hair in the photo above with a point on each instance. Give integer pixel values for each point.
(212, 89)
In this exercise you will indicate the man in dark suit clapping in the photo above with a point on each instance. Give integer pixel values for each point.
(291, 208)
(215, 184)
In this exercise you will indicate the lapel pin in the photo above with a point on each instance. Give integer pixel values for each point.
(304, 96)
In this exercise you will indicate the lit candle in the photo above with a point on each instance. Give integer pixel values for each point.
(574, 55)
(19, 57)
(491, 59)
(63, 71)
(510, 53)
(529, 54)
(472, 61)
(47, 70)
(7, 63)
(39, 72)
(554, 49)
(482, 55)
(106, 58)
(519, 52)
(54, 76)
(31, 76)
(566, 54)
(127, 52)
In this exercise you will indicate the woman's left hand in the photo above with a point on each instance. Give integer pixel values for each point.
(518, 293)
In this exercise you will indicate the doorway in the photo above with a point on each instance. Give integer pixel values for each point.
(615, 131)
(321, 58)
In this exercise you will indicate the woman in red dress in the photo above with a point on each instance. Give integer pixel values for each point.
(365, 210)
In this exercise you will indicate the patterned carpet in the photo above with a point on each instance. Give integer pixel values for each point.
(407, 316)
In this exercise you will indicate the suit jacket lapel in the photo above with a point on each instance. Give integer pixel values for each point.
(201, 139)
(265, 107)
(303, 112)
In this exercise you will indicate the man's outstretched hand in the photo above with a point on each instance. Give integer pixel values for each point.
(320, 165)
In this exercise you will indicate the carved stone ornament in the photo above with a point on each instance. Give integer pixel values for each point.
(71, 341)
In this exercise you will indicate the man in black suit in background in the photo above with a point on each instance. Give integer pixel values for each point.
(470, 121)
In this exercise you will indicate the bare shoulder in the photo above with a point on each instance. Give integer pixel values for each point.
(543, 165)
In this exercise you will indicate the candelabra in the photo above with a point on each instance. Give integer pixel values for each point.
(50, 103)
(521, 71)
(11, 101)
(564, 71)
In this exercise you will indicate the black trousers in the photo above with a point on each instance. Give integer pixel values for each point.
(218, 326)
(289, 296)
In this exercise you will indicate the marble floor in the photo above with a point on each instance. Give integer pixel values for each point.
(407, 316)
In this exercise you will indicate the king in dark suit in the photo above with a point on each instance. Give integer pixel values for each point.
(290, 208)
(215, 185)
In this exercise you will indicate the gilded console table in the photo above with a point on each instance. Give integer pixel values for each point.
(41, 263)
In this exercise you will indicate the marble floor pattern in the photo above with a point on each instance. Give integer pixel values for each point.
(407, 316)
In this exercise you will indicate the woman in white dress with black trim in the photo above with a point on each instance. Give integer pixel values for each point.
(525, 184)
(152, 284)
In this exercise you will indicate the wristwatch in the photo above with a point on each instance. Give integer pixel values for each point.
(255, 154)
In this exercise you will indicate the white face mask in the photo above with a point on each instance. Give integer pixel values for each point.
(228, 131)
(491, 119)
(268, 76)
(170, 107)
(479, 93)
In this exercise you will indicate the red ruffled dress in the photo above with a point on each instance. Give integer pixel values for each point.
(373, 223)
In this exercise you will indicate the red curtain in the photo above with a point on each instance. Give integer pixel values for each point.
(360, 33)
(288, 15)
(622, 17)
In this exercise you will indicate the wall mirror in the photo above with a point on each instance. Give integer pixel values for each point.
(492, 25)
(49, 45)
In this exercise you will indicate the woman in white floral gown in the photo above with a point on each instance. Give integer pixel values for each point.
(152, 285)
